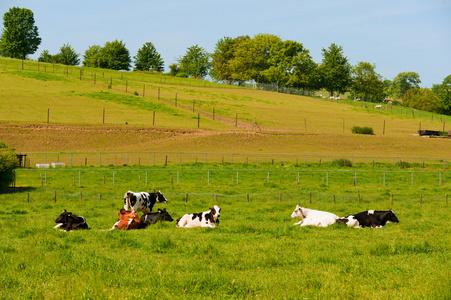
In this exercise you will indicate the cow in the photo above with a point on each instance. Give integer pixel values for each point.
(152, 218)
(369, 218)
(378, 106)
(143, 201)
(127, 220)
(207, 218)
(313, 217)
(69, 221)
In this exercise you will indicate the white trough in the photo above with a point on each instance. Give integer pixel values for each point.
(40, 166)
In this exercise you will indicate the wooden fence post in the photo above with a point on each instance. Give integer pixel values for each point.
(310, 197)
(54, 197)
(186, 197)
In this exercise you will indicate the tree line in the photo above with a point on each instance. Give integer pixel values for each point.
(264, 58)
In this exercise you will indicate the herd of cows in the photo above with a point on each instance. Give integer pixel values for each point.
(144, 202)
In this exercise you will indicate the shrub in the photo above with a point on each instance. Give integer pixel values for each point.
(362, 130)
(343, 162)
(8, 161)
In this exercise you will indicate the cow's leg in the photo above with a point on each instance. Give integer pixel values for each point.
(59, 225)
(298, 223)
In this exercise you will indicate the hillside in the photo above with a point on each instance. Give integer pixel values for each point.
(60, 109)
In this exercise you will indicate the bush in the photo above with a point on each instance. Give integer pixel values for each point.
(8, 161)
(362, 130)
(343, 162)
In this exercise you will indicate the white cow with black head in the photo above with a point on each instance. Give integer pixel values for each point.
(313, 217)
(142, 201)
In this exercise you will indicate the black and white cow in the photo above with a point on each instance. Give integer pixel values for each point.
(369, 218)
(142, 201)
(152, 218)
(204, 219)
(69, 221)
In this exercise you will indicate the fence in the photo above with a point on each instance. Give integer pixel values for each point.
(102, 159)
(163, 177)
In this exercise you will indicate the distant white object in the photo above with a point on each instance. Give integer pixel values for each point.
(378, 106)
(337, 98)
(42, 166)
(58, 164)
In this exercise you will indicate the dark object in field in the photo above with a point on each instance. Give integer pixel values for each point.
(369, 218)
(433, 133)
(152, 218)
(69, 221)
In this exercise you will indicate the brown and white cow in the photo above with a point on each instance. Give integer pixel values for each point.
(127, 220)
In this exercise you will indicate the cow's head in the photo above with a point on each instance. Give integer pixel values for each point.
(63, 217)
(161, 198)
(165, 216)
(215, 212)
(391, 217)
(298, 213)
(129, 200)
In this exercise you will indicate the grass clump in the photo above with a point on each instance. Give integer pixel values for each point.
(362, 130)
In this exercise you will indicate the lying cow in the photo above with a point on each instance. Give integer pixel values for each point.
(152, 218)
(69, 221)
(127, 220)
(142, 201)
(369, 218)
(204, 219)
(313, 217)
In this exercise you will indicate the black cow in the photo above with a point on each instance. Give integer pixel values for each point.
(142, 201)
(152, 218)
(369, 218)
(69, 222)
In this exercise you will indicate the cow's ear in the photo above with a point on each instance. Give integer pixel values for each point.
(159, 211)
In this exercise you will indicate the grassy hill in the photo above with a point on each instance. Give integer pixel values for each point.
(49, 107)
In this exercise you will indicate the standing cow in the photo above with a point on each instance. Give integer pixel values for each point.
(313, 217)
(369, 218)
(142, 201)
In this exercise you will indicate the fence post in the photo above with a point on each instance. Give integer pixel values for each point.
(54, 197)
(310, 197)
(358, 198)
(391, 196)
(334, 198)
(248, 197)
(186, 197)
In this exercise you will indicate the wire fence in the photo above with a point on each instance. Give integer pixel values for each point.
(207, 177)
(205, 159)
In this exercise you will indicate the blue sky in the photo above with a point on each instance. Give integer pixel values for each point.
(397, 35)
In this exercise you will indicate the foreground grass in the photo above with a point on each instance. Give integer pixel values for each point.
(256, 252)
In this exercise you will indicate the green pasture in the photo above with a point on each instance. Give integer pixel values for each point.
(74, 95)
(256, 252)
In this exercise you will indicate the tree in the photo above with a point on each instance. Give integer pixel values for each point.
(20, 36)
(405, 81)
(443, 91)
(225, 52)
(422, 99)
(290, 65)
(46, 57)
(366, 82)
(92, 56)
(335, 70)
(67, 56)
(196, 62)
(114, 55)
(148, 59)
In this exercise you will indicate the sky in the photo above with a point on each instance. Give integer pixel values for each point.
(394, 35)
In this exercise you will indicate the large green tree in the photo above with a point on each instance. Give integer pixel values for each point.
(443, 91)
(366, 83)
(225, 52)
(46, 57)
(335, 70)
(113, 55)
(422, 99)
(148, 59)
(291, 65)
(195, 62)
(405, 81)
(20, 36)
